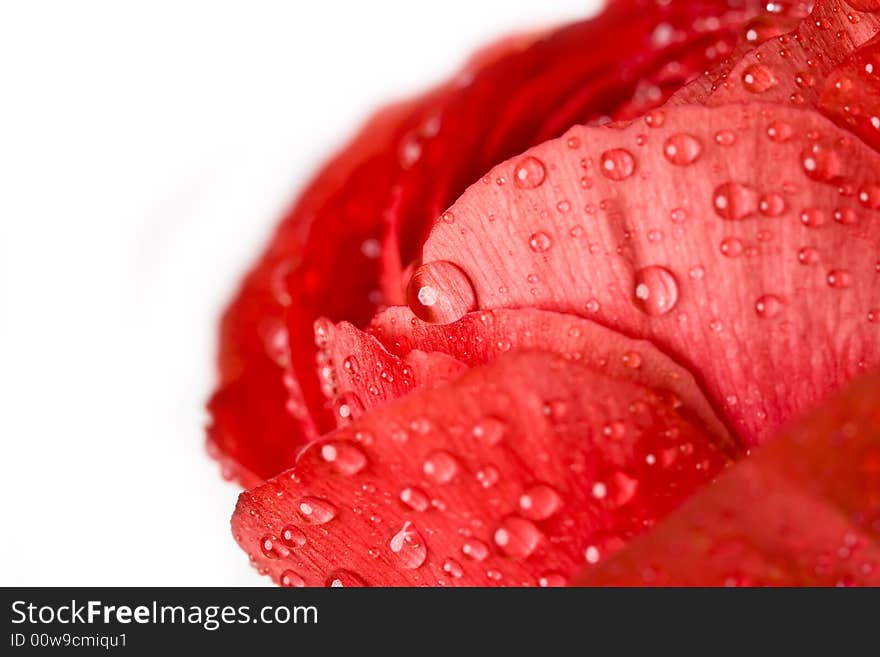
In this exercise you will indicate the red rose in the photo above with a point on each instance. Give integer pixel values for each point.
(436, 375)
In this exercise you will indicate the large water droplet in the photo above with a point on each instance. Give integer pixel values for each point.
(517, 537)
(272, 547)
(617, 164)
(440, 467)
(408, 546)
(539, 502)
(316, 510)
(346, 458)
(822, 164)
(529, 173)
(655, 291)
(415, 498)
(772, 205)
(735, 201)
(293, 537)
(682, 149)
(758, 78)
(440, 292)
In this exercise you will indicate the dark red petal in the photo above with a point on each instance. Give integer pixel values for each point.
(803, 511)
(741, 240)
(507, 476)
(364, 217)
(403, 356)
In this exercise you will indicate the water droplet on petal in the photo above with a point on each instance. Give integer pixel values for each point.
(529, 173)
(768, 306)
(839, 278)
(617, 164)
(808, 255)
(539, 502)
(758, 78)
(293, 537)
(415, 498)
(735, 201)
(725, 138)
(615, 490)
(846, 216)
(489, 430)
(452, 567)
(440, 467)
(272, 547)
(291, 579)
(631, 360)
(344, 578)
(655, 291)
(475, 549)
(772, 205)
(540, 242)
(655, 118)
(346, 458)
(678, 215)
(316, 510)
(813, 218)
(488, 476)
(822, 164)
(592, 555)
(408, 547)
(682, 149)
(779, 131)
(517, 537)
(441, 293)
(869, 196)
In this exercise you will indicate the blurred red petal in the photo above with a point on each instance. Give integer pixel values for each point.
(506, 476)
(741, 240)
(803, 511)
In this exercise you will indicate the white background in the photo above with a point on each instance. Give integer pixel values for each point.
(146, 149)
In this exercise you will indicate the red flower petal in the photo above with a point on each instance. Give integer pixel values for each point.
(792, 68)
(804, 511)
(366, 372)
(364, 217)
(506, 476)
(741, 240)
(851, 96)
